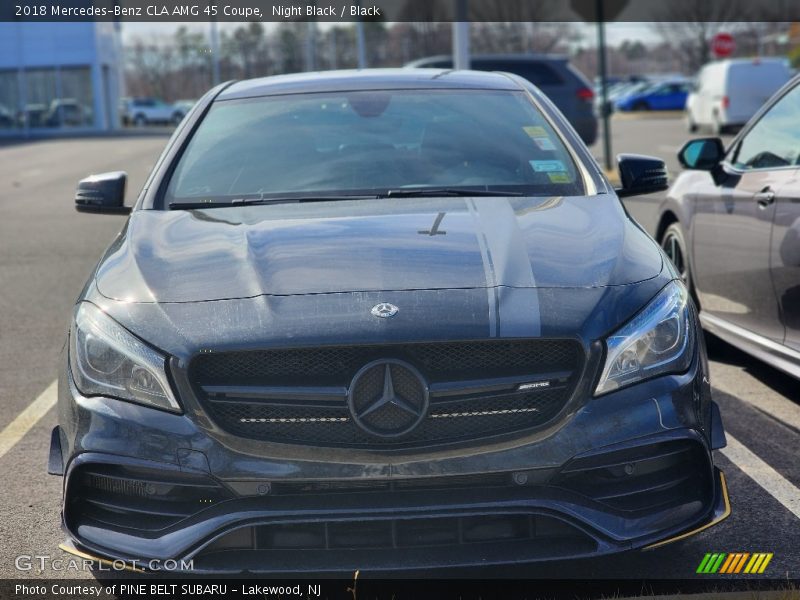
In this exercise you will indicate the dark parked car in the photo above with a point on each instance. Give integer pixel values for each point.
(567, 87)
(382, 319)
(731, 224)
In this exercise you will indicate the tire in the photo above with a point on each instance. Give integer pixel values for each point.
(640, 105)
(139, 121)
(177, 118)
(674, 245)
(691, 126)
(717, 128)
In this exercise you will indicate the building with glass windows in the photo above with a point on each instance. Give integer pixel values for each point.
(59, 77)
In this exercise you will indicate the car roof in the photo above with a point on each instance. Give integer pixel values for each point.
(368, 79)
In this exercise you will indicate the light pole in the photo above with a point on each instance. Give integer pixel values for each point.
(605, 109)
(461, 35)
(598, 11)
(214, 53)
(361, 49)
(311, 46)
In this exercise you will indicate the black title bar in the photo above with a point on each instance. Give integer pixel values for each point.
(399, 10)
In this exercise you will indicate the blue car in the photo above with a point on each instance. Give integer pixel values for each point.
(670, 95)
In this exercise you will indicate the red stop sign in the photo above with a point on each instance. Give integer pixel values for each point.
(723, 45)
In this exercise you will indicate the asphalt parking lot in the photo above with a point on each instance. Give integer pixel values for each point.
(47, 251)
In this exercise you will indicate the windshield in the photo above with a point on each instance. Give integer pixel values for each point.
(370, 142)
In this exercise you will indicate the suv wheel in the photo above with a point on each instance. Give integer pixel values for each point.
(641, 105)
(691, 126)
(177, 118)
(139, 121)
(716, 126)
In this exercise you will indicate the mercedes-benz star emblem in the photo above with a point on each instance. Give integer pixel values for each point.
(388, 398)
(384, 310)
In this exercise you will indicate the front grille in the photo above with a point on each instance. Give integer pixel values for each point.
(300, 396)
(382, 534)
(336, 365)
(467, 419)
(349, 486)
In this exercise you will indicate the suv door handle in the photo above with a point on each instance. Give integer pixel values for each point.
(765, 197)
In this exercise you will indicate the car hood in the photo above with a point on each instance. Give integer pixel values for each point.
(376, 245)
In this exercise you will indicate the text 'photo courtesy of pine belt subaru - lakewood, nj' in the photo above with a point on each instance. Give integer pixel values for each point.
(382, 320)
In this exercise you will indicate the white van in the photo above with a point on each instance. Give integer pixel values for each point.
(728, 92)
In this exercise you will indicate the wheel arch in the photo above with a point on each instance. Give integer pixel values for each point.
(667, 218)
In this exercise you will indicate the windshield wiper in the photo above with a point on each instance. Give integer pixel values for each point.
(427, 192)
(398, 193)
(262, 201)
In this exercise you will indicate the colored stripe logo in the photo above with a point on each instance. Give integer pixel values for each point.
(733, 563)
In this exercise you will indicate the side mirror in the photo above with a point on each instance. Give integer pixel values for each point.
(104, 193)
(702, 154)
(641, 175)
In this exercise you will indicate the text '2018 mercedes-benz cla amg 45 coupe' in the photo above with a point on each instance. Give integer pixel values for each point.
(387, 320)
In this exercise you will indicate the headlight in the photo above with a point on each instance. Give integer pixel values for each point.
(659, 340)
(108, 360)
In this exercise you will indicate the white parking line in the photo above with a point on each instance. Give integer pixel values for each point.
(768, 478)
(25, 420)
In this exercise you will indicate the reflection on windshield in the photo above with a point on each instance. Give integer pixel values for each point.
(372, 142)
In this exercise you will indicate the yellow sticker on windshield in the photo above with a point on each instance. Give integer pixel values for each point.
(535, 131)
(559, 177)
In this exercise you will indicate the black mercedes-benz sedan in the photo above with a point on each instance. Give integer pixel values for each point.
(382, 320)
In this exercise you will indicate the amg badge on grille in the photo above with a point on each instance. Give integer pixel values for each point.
(384, 310)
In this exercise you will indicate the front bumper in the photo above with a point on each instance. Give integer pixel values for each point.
(631, 469)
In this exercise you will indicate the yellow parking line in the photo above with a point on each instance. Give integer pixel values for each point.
(25, 420)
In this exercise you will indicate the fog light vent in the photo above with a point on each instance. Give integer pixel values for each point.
(128, 487)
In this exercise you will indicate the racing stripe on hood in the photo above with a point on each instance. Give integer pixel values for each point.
(512, 295)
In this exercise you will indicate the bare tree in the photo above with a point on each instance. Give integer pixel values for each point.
(289, 50)
(151, 67)
(246, 47)
(521, 26)
(523, 37)
(688, 26)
